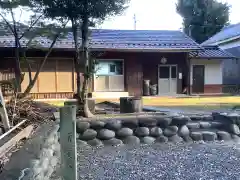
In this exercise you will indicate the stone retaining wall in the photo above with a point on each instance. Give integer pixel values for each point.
(158, 129)
(48, 158)
(147, 129)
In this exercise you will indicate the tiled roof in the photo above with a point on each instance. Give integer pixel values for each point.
(213, 52)
(234, 51)
(121, 39)
(226, 33)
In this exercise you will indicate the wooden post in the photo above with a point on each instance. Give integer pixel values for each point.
(188, 75)
(68, 142)
(3, 113)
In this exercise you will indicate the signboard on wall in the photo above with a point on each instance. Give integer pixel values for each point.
(68, 142)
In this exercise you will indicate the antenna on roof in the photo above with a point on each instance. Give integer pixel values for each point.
(135, 21)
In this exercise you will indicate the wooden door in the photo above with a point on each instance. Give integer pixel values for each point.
(198, 79)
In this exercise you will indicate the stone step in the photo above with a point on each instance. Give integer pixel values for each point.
(205, 124)
(212, 134)
(205, 130)
(231, 117)
(201, 117)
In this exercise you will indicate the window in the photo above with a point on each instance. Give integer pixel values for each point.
(174, 72)
(109, 76)
(164, 72)
(112, 68)
(109, 68)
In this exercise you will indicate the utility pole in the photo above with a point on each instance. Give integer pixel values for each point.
(134, 22)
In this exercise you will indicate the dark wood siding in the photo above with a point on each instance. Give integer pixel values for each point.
(137, 66)
(140, 66)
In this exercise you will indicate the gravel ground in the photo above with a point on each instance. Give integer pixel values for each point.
(212, 161)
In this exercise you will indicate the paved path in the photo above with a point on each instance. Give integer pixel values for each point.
(169, 162)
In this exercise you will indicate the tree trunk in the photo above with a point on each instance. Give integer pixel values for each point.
(85, 43)
(77, 56)
(28, 64)
(17, 69)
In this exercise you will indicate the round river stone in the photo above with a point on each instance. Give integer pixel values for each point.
(131, 140)
(234, 129)
(180, 121)
(223, 135)
(113, 125)
(96, 125)
(156, 131)
(82, 126)
(113, 142)
(170, 131)
(217, 125)
(105, 134)
(209, 136)
(205, 124)
(193, 125)
(147, 122)
(81, 143)
(130, 123)
(95, 142)
(162, 139)
(142, 131)
(233, 117)
(175, 138)
(196, 136)
(236, 138)
(187, 139)
(183, 131)
(148, 140)
(207, 118)
(87, 135)
(196, 118)
(163, 121)
(238, 122)
(124, 132)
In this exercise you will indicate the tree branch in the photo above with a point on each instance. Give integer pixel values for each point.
(14, 23)
(31, 26)
(20, 15)
(8, 24)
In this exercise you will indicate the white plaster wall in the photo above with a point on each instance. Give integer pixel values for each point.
(213, 70)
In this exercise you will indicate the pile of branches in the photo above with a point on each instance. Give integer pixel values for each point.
(26, 108)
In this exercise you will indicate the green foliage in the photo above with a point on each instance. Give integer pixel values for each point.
(203, 18)
(75, 9)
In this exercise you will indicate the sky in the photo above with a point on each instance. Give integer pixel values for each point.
(157, 15)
